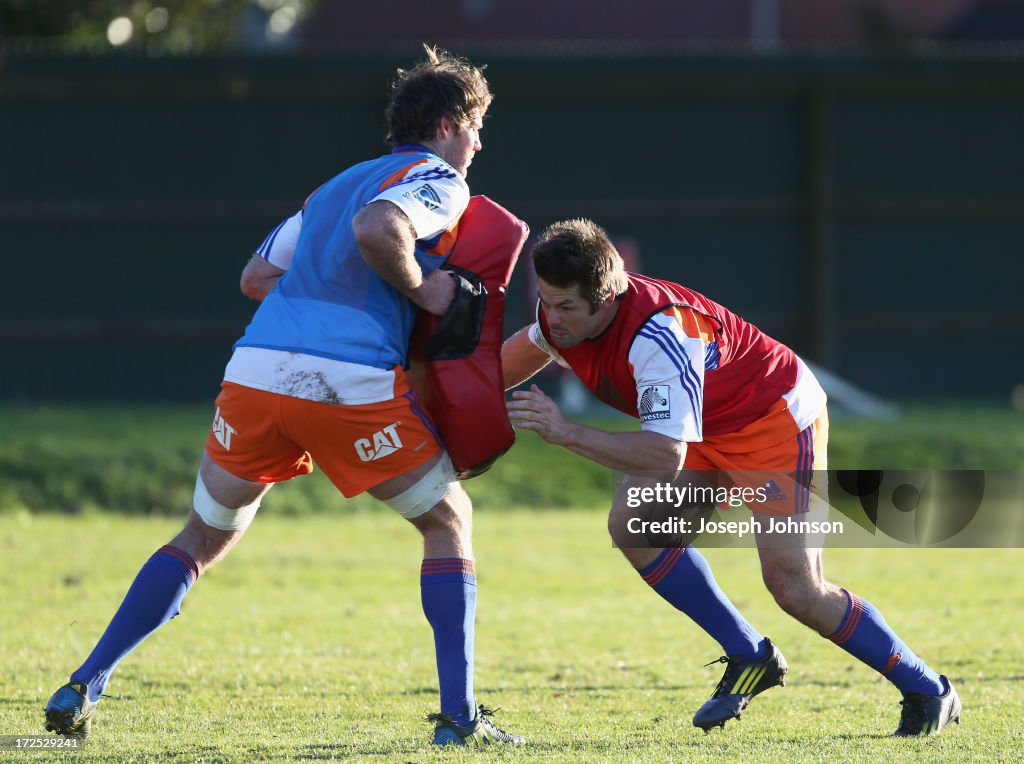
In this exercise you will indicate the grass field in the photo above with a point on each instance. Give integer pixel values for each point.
(308, 643)
(142, 459)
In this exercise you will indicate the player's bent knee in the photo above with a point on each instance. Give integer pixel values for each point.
(640, 557)
(786, 598)
(428, 491)
(216, 515)
(793, 594)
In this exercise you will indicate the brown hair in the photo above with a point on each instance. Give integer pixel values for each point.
(579, 252)
(442, 86)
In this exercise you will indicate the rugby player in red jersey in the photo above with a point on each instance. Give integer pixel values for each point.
(712, 392)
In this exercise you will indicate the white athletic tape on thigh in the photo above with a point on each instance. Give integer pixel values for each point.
(430, 489)
(218, 516)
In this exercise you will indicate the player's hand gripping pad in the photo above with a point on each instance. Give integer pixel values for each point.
(457, 333)
(455, 359)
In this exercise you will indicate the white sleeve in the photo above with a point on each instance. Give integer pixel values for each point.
(279, 246)
(668, 368)
(433, 195)
(537, 338)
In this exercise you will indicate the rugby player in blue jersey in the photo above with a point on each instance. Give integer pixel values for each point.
(317, 377)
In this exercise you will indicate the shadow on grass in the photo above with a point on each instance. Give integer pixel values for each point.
(830, 684)
(411, 691)
(344, 750)
(799, 742)
(569, 689)
(186, 753)
(563, 689)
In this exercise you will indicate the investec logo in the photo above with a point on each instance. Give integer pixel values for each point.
(426, 195)
(384, 442)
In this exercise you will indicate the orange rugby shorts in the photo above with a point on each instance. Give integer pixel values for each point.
(266, 438)
(772, 454)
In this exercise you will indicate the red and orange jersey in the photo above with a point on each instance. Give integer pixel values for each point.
(687, 367)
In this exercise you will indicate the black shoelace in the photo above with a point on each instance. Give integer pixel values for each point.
(728, 676)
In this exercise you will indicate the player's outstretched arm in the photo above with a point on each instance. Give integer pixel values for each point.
(259, 277)
(387, 242)
(521, 359)
(644, 453)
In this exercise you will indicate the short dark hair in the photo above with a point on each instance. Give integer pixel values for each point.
(444, 85)
(579, 252)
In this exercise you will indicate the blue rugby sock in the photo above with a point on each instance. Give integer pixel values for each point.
(865, 635)
(448, 591)
(153, 599)
(684, 579)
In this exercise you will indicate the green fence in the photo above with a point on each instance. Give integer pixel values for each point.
(866, 209)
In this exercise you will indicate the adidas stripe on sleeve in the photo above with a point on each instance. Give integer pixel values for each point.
(279, 246)
(432, 194)
(668, 368)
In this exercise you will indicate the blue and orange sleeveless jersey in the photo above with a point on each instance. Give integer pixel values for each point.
(330, 304)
